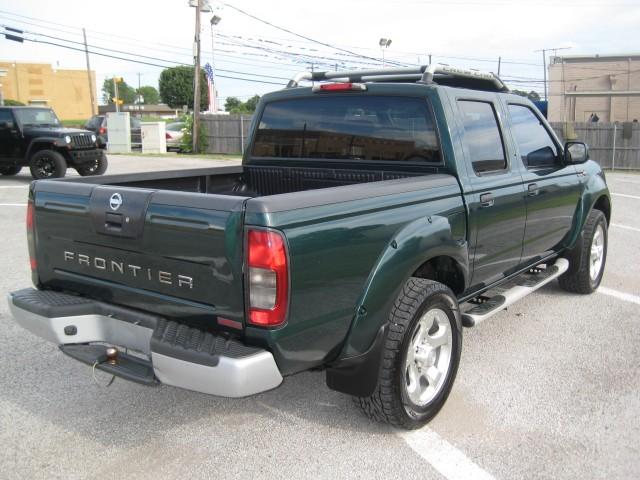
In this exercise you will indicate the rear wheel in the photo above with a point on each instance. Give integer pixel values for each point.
(98, 167)
(420, 357)
(587, 259)
(47, 164)
(10, 170)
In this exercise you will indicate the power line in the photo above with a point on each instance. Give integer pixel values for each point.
(135, 55)
(300, 35)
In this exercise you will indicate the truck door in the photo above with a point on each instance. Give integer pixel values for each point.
(495, 197)
(9, 137)
(552, 189)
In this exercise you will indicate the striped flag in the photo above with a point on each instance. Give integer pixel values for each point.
(208, 69)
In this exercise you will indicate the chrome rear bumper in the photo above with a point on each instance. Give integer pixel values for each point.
(215, 366)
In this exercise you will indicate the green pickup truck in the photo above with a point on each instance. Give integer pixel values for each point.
(375, 214)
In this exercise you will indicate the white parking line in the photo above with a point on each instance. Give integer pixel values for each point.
(625, 227)
(627, 297)
(13, 204)
(635, 197)
(14, 186)
(444, 457)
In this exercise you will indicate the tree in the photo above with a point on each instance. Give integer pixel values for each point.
(533, 96)
(234, 105)
(176, 87)
(150, 95)
(12, 103)
(125, 93)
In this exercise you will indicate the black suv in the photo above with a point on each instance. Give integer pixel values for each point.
(34, 137)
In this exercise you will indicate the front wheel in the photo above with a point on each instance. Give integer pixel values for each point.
(587, 259)
(97, 167)
(10, 170)
(420, 356)
(47, 164)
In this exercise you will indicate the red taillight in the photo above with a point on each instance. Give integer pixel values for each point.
(31, 236)
(268, 278)
(30, 217)
(167, 136)
(102, 130)
(339, 87)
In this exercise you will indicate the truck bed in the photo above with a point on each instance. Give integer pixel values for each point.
(250, 181)
(179, 249)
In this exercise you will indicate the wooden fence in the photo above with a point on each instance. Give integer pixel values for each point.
(613, 145)
(226, 133)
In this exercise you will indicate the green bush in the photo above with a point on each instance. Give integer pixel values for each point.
(13, 103)
(187, 139)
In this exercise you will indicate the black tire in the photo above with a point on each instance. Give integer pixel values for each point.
(96, 168)
(10, 170)
(47, 164)
(578, 278)
(391, 402)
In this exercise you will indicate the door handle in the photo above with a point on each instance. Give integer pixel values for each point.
(486, 200)
(532, 189)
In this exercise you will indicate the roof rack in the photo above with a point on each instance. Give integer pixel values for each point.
(427, 74)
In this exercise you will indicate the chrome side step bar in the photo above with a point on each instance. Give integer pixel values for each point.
(496, 304)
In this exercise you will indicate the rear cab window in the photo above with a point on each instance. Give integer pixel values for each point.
(482, 138)
(350, 127)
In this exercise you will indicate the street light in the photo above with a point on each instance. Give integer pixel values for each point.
(384, 44)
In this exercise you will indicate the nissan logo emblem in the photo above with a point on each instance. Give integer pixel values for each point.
(115, 201)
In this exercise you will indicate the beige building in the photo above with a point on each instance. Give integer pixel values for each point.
(66, 91)
(607, 86)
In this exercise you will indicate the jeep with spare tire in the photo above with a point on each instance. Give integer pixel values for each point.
(34, 137)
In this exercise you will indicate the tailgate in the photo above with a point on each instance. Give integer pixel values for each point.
(172, 253)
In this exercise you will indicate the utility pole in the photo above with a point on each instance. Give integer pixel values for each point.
(499, 64)
(544, 64)
(196, 83)
(115, 92)
(429, 59)
(86, 54)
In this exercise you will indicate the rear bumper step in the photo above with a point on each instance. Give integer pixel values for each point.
(177, 355)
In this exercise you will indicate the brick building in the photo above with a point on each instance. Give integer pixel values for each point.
(66, 91)
(607, 86)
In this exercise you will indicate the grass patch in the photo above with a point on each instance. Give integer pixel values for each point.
(73, 123)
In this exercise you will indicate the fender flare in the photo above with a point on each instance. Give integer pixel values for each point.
(52, 141)
(356, 370)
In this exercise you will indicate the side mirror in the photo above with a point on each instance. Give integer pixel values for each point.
(576, 152)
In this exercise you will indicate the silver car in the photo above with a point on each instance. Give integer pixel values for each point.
(174, 134)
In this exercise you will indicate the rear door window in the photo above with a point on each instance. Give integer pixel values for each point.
(362, 127)
(482, 138)
(94, 123)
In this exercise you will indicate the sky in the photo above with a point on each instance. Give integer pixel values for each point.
(340, 34)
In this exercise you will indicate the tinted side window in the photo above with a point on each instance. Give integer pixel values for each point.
(536, 147)
(482, 136)
(6, 118)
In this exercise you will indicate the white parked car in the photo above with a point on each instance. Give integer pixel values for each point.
(174, 134)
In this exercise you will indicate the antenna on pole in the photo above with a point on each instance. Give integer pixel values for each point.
(544, 64)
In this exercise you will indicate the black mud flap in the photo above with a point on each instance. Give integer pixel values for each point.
(128, 366)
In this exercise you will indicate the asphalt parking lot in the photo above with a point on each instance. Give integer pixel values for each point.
(548, 389)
